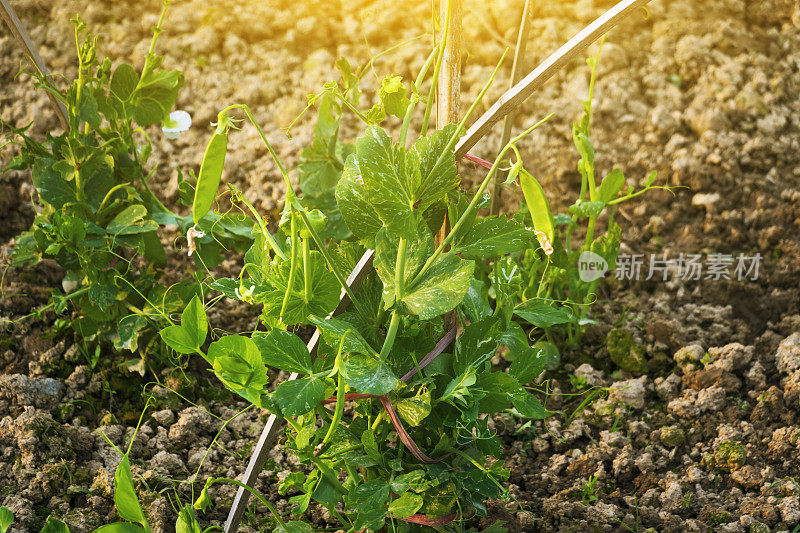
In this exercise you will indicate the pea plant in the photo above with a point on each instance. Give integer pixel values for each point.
(415, 445)
(549, 268)
(98, 217)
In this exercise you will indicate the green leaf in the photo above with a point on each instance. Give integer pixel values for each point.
(458, 388)
(611, 186)
(6, 519)
(493, 237)
(226, 286)
(187, 521)
(333, 329)
(130, 221)
(299, 396)
(441, 288)
(210, 175)
(393, 96)
(414, 480)
(54, 525)
(370, 500)
(414, 410)
(128, 330)
(537, 204)
(124, 82)
(544, 314)
(476, 301)
(406, 505)
(388, 185)
(351, 197)
(320, 167)
(153, 249)
(323, 294)
(368, 375)
(50, 185)
(88, 111)
(587, 209)
(283, 350)
(119, 527)
(585, 149)
(385, 262)
(349, 80)
(194, 321)
(237, 362)
(294, 527)
(125, 496)
(371, 446)
(148, 111)
(528, 405)
(177, 338)
(496, 387)
(437, 169)
(478, 343)
(527, 361)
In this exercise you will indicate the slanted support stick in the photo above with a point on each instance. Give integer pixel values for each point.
(18, 30)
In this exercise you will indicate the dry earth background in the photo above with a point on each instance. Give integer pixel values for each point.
(706, 92)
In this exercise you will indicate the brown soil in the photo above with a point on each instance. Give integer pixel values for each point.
(704, 92)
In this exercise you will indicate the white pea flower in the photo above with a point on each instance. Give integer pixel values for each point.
(68, 285)
(192, 234)
(178, 122)
(246, 295)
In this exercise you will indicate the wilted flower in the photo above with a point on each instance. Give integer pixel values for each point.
(544, 242)
(178, 122)
(191, 235)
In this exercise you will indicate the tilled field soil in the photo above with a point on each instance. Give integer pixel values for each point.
(705, 92)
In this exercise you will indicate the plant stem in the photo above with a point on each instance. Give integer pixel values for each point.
(339, 409)
(148, 66)
(414, 99)
(306, 270)
(292, 265)
(399, 272)
(321, 246)
(267, 235)
(394, 323)
(399, 288)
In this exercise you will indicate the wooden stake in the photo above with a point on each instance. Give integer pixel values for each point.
(18, 30)
(448, 88)
(275, 423)
(448, 93)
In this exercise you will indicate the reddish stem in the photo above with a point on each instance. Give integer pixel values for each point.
(439, 348)
(428, 521)
(403, 434)
(332, 399)
(478, 160)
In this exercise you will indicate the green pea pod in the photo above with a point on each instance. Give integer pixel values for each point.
(537, 204)
(210, 175)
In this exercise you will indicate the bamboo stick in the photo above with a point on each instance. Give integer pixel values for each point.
(18, 31)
